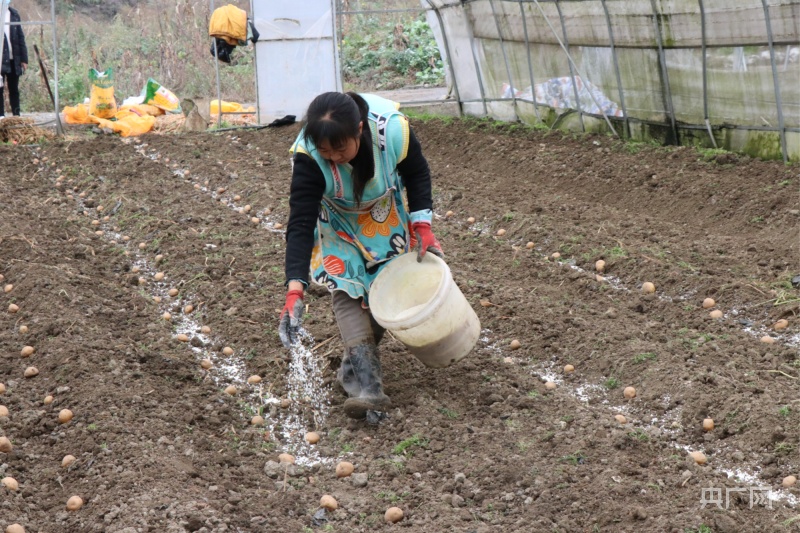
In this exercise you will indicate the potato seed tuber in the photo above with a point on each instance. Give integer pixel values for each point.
(328, 502)
(257, 421)
(227, 351)
(708, 424)
(31, 372)
(515, 345)
(699, 457)
(600, 265)
(393, 514)
(621, 419)
(74, 503)
(648, 288)
(779, 325)
(231, 390)
(286, 458)
(568, 369)
(9, 483)
(13, 308)
(344, 469)
(3, 411)
(629, 392)
(67, 461)
(27, 351)
(789, 481)
(312, 437)
(254, 379)
(715, 314)
(708, 303)
(64, 416)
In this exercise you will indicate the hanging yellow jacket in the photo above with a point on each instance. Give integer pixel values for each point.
(228, 23)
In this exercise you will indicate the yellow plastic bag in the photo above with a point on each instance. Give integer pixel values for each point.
(143, 110)
(78, 114)
(228, 107)
(230, 23)
(101, 99)
(127, 123)
(157, 95)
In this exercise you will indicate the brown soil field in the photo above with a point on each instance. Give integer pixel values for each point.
(482, 446)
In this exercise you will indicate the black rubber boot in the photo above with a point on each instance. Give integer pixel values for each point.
(360, 376)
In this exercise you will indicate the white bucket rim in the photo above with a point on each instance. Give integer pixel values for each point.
(431, 305)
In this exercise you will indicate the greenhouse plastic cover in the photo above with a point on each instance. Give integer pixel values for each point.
(711, 72)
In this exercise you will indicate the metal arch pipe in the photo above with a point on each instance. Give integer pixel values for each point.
(778, 103)
(705, 72)
(664, 73)
(505, 58)
(449, 55)
(569, 57)
(255, 63)
(475, 60)
(569, 63)
(216, 70)
(55, 65)
(616, 68)
(530, 63)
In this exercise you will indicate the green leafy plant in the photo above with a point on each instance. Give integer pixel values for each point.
(405, 447)
(386, 54)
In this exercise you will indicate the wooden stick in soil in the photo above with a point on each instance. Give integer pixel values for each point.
(49, 91)
(323, 343)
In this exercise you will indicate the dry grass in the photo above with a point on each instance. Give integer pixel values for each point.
(18, 130)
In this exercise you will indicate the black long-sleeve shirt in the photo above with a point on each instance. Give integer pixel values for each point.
(308, 187)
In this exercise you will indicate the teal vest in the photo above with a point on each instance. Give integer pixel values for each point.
(390, 136)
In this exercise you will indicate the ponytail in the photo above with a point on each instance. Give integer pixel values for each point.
(364, 162)
(335, 117)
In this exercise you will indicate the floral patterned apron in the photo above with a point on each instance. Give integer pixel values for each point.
(353, 242)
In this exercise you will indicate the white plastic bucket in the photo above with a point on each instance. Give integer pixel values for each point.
(424, 309)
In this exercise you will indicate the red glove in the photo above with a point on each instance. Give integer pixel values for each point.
(426, 240)
(291, 318)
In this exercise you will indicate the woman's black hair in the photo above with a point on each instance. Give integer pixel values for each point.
(334, 117)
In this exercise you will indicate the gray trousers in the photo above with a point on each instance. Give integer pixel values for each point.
(356, 324)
